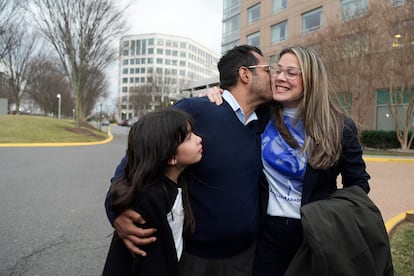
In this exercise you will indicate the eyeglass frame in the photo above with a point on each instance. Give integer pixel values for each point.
(287, 74)
(270, 67)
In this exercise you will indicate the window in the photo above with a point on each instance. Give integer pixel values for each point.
(126, 43)
(159, 61)
(125, 53)
(150, 51)
(396, 3)
(353, 8)
(125, 71)
(254, 39)
(160, 51)
(279, 32)
(312, 20)
(231, 29)
(125, 62)
(278, 5)
(124, 89)
(253, 14)
(151, 41)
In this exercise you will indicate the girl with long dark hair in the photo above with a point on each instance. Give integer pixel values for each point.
(160, 146)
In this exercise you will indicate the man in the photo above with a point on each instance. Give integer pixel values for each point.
(224, 185)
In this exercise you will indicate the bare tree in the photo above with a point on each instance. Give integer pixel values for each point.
(83, 34)
(96, 88)
(140, 99)
(8, 10)
(17, 62)
(354, 60)
(165, 84)
(401, 75)
(47, 81)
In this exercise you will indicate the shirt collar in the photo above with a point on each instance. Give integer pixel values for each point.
(229, 98)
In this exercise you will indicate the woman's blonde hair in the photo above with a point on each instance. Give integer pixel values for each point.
(322, 118)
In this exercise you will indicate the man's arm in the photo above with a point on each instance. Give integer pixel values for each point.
(123, 223)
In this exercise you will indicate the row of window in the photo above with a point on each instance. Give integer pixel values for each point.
(173, 62)
(311, 20)
(140, 47)
(150, 70)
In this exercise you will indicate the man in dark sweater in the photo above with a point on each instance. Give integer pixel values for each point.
(224, 187)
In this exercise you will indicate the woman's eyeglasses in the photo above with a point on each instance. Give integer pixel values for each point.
(290, 73)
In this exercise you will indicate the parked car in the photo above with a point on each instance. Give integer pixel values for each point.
(105, 123)
(124, 123)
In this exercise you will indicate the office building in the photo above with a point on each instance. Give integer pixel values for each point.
(363, 59)
(155, 67)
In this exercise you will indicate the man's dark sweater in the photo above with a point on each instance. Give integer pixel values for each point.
(224, 190)
(224, 186)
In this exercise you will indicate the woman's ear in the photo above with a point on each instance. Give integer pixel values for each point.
(172, 162)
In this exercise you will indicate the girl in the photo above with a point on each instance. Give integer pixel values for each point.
(160, 146)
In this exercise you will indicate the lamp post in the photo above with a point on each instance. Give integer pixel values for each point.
(59, 104)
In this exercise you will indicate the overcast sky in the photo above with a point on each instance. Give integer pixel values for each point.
(199, 20)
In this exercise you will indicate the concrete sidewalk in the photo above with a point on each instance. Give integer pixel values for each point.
(392, 184)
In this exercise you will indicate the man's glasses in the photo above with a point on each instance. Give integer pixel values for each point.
(269, 68)
(290, 73)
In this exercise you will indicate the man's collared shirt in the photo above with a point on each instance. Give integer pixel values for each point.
(229, 98)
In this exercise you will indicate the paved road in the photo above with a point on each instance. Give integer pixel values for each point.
(52, 215)
(392, 186)
(51, 201)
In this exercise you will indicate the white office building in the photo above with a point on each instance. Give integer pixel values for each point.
(154, 68)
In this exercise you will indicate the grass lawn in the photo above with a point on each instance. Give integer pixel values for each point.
(37, 129)
(402, 249)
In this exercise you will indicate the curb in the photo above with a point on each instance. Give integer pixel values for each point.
(392, 223)
(388, 159)
(14, 145)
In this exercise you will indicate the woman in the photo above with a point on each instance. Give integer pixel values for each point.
(307, 142)
(160, 146)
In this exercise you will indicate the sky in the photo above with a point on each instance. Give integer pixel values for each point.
(199, 20)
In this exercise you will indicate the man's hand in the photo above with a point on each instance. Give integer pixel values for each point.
(214, 95)
(131, 235)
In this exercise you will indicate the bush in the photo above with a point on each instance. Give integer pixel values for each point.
(379, 139)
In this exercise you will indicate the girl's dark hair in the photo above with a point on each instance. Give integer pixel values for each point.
(152, 141)
(232, 60)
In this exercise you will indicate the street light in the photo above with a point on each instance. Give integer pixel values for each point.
(59, 97)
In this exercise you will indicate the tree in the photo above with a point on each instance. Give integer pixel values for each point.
(140, 99)
(364, 53)
(83, 33)
(46, 82)
(401, 77)
(350, 53)
(8, 10)
(17, 62)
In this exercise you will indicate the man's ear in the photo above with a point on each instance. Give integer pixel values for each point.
(244, 74)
